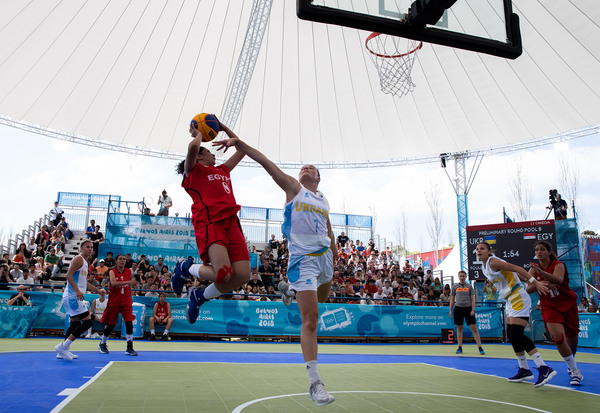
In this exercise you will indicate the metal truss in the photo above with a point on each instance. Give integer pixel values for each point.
(138, 150)
(259, 18)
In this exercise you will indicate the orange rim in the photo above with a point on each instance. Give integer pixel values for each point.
(387, 56)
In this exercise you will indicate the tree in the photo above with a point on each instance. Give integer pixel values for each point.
(436, 223)
(568, 177)
(521, 194)
(589, 233)
(401, 229)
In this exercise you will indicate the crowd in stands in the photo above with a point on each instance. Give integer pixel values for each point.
(362, 275)
(38, 260)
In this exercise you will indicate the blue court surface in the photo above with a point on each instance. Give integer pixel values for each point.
(36, 381)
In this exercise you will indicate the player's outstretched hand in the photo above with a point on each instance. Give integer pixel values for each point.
(542, 287)
(225, 143)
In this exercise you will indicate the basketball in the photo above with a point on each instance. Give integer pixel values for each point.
(207, 124)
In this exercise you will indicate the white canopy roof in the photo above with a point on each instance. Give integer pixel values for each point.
(132, 74)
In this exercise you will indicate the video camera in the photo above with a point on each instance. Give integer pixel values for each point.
(553, 200)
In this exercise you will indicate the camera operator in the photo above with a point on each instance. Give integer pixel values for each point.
(558, 204)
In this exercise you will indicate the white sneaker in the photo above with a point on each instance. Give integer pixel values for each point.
(74, 356)
(319, 395)
(64, 353)
(576, 377)
(286, 293)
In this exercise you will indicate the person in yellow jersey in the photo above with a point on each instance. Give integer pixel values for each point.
(312, 249)
(507, 279)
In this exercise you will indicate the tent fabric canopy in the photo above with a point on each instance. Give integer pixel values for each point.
(135, 72)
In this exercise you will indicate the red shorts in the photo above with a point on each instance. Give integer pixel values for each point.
(111, 314)
(569, 318)
(226, 232)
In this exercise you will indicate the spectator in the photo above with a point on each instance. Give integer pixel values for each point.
(405, 297)
(161, 315)
(90, 229)
(379, 295)
(20, 298)
(255, 281)
(97, 238)
(20, 259)
(16, 272)
(267, 272)
(153, 291)
(65, 227)
(387, 289)
(31, 247)
(52, 264)
(159, 265)
(109, 261)
(26, 278)
(129, 262)
(274, 247)
(437, 287)
(342, 239)
(102, 268)
(38, 253)
(592, 308)
(445, 296)
(371, 288)
(5, 277)
(144, 264)
(56, 214)
(165, 203)
(6, 260)
(582, 307)
(43, 237)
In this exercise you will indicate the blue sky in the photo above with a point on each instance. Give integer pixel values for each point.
(35, 168)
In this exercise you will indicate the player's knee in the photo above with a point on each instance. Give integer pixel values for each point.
(87, 324)
(224, 274)
(558, 339)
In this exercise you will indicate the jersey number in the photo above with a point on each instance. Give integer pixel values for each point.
(226, 187)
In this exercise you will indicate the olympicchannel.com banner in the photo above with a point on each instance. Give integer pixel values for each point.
(512, 242)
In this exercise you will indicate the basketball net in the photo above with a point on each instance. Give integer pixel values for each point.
(394, 58)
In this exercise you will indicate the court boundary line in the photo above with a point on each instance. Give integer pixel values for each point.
(241, 407)
(78, 390)
(554, 386)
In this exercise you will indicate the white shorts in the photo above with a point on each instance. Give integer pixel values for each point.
(518, 304)
(308, 272)
(73, 306)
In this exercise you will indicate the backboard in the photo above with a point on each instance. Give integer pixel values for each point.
(484, 26)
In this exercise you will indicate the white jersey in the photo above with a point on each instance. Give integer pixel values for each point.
(305, 223)
(100, 306)
(80, 278)
(507, 282)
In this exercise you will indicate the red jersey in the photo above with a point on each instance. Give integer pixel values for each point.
(211, 192)
(560, 297)
(161, 309)
(122, 293)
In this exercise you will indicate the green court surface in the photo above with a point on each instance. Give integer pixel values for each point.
(211, 387)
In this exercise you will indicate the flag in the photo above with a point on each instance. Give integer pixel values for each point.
(490, 239)
(529, 235)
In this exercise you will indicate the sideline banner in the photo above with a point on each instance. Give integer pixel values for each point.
(589, 326)
(244, 317)
(16, 320)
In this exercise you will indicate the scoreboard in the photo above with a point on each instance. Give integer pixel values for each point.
(513, 242)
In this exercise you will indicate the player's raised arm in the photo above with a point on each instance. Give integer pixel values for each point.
(289, 184)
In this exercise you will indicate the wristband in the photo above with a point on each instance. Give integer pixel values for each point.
(531, 280)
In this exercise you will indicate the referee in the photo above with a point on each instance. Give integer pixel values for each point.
(463, 296)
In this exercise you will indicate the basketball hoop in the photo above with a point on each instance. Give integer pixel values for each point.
(393, 64)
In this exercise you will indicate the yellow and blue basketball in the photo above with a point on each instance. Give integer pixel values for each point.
(207, 124)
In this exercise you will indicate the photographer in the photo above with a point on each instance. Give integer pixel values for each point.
(558, 205)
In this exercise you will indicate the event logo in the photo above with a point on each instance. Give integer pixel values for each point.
(334, 319)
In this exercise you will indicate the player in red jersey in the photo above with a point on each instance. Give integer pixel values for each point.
(558, 305)
(119, 302)
(161, 315)
(219, 236)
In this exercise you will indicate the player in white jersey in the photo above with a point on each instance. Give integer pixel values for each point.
(312, 252)
(507, 279)
(77, 284)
